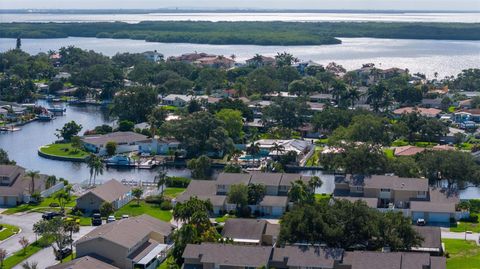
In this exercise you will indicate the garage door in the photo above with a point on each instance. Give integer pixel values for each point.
(277, 211)
(418, 215)
(439, 217)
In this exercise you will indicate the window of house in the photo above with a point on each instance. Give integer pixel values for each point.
(385, 190)
(359, 188)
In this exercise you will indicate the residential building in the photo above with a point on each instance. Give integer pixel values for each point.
(137, 242)
(251, 231)
(321, 98)
(411, 196)
(159, 146)
(111, 191)
(209, 256)
(190, 57)
(181, 100)
(427, 112)
(261, 61)
(279, 147)
(467, 115)
(274, 203)
(432, 240)
(85, 262)
(408, 150)
(153, 56)
(125, 141)
(215, 62)
(432, 103)
(15, 186)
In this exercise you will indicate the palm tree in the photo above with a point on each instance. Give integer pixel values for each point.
(278, 149)
(97, 168)
(90, 164)
(353, 96)
(253, 150)
(33, 175)
(315, 182)
(161, 180)
(233, 56)
(71, 227)
(258, 60)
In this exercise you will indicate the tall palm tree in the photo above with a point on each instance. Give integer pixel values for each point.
(161, 180)
(91, 164)
(253, 150)
(71, 227)
(353, 96)
(97, 168)
(315, 182)
(33, 175)
(278, 149)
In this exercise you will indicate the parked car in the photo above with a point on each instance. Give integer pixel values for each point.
(124, 216)
(50, 215)
(111, 219)
(96, 219)
(62, 253)
(421, 222)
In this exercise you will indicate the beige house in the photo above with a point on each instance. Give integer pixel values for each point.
(111, 191)
(412, 196)
(138, 242)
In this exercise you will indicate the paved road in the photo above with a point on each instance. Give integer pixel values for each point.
(25, 222)
(45, 257)
(453, 235)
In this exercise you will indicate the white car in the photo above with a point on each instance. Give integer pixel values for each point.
(421, 222)
(124, 216)
(111, 219)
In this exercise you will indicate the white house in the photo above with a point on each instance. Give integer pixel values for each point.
(126, 142)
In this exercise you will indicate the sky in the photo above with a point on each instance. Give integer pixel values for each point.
(445, 5)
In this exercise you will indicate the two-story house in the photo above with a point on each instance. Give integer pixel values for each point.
(137, 242)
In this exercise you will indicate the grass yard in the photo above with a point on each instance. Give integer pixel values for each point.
(173, 192)
(132, 209)
(8, 230)
(389, 153)
(20, 256)
(323, 196)
(43, 206)
(64, 150)
(463, 254)
(463, 226)
(224, 218)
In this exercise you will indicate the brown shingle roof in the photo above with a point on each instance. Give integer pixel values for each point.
(267, 179)
(229, 255)
(287, 179)
(274, 201)
(432, 236)
(109, 191)
(408, 150)
(396, 183)
(129, 232)
(307, 256)
(85, 262)
(428, 112)
(251, 229)
(389, 260)
(10, 170)
(432, 207)
(204, 190)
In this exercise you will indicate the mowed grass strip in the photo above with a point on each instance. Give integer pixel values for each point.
(463, 254)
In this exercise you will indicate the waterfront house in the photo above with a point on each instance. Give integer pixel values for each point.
(215, 62)
(126, 142)
(250, 231)
(159, 146)
(153, 56)
(135, 242)
(261, 61)
(274, 203)
(111, 191)
(467, 115)
(181, 100)
(190, 57)
(279, 147)
(411, 196)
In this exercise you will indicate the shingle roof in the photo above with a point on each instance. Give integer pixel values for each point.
(118, 137)
(438, 262)
(272, 229)
(244, 229)
(300, 256)
(10, 170)
(85, 262)
(432, 236)
(267, 179)
(109, 191)
(204, 190)
(432, 207)
(396, 183)
(274, 201)
(233, 178)
(229, 255)
(287, 179)
(390, 260)
(129, 232)
(408, 150)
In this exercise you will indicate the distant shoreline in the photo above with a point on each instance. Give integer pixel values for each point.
(213, 10)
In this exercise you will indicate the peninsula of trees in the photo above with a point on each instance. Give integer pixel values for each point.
(253, 33)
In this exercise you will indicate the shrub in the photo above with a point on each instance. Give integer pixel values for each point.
(166, 205)
(1, 227)
(154, 199)
(177, 182)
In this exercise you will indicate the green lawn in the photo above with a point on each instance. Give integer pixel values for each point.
(8, 230)
(20, 256)
(467, 226)
(43, 206)
(389, 153)
(64, 150)
(173, 192)
(224, 218)
(132, 209)
(463, 254)
(320, 197)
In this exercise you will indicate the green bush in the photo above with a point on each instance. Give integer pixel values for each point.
(166, 205)
(154, 199)
(177, 182)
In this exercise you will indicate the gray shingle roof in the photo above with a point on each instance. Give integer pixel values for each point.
(109, 191)
(390, 260)
(10, 170)
(396, 183)
(432, 236)
(118, 137)
(267, 179)
(280, 201)
(229, 255)
(233, 178)
(307, 256)
(252, 229)
(85, 262)
(204, 190)
(432, 207)
(129, 232)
